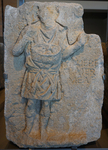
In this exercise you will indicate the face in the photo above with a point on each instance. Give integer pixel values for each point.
(48, 16)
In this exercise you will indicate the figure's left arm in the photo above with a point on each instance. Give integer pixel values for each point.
(74, 47)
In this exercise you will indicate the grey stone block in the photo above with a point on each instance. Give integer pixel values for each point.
(54, 90)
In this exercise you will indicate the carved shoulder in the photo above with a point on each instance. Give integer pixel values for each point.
(32, 29)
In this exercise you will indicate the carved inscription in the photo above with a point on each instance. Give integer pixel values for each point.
(85, 71)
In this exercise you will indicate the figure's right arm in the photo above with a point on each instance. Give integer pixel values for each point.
(22, 41)
(25, 37)
(20, 46)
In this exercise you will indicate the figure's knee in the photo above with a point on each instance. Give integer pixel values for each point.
(31, 108)
(45, 111)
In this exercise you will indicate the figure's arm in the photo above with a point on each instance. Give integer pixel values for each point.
(76, 46)
(24, 38)
(20, 46)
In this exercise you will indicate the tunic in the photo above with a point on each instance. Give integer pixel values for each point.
(43, 60)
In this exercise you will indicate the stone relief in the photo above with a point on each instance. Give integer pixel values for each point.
(55, 67)
(45, 45)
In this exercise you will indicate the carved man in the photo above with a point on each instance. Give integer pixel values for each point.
(45, 46)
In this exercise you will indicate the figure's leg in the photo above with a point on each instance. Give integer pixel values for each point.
(31, 115)
(45, 114)
(37, 117)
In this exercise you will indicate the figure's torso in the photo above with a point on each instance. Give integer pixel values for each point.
(46, 46)
(43, 61)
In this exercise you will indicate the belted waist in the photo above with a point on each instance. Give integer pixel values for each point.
(41, 70)
(35, 67)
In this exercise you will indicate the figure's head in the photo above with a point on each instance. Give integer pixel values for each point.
(47, 15)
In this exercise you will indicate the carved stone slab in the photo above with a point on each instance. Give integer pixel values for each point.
(54, 89)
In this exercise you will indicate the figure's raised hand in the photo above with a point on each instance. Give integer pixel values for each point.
(81, 38)
(21, 45)
(71, 49)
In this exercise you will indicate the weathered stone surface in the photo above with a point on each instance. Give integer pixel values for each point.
(54, 90)
(1, 65)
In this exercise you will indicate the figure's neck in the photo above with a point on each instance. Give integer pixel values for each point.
(48, 27)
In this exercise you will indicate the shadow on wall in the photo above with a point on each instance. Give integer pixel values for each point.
(105, 100)
(1, 65)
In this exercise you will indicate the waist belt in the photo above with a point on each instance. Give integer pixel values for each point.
(43, 71)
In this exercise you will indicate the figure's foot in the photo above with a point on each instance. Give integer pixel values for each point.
(35, 135)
